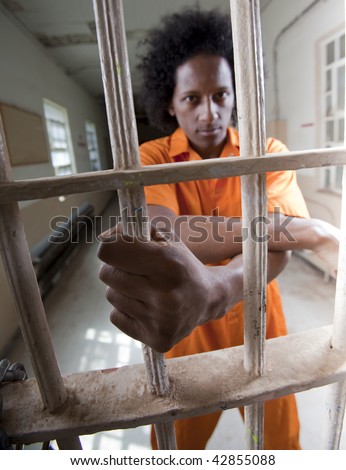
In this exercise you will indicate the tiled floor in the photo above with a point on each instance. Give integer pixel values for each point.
(84, 339)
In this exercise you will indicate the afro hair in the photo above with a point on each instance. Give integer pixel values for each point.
(180, 37)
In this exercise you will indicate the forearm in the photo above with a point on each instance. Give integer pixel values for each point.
(229, 279)
(294, 233)
(211, 239)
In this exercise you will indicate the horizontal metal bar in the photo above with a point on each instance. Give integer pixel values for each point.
(42, 188)
(120, 398)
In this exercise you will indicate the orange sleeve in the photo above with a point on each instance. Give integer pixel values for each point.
(283, 191)
(155, 153)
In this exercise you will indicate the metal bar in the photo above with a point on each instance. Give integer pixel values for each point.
(69, 443)
(335, 415)
(339, 330)
(121, 398)
(337, 395)
(251, 118)
(26, 294)
(125, 148)
(106, 180)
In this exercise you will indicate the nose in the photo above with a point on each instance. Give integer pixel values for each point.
(208, 111)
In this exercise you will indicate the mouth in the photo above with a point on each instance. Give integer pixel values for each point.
(209, 132)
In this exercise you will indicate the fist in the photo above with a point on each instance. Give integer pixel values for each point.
(159, 290)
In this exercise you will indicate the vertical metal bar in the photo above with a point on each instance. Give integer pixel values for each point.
(69, 443)
(337, 395)
(335, 415)
(247, 42)
(31, 315)
(124, 141)
(20, 272)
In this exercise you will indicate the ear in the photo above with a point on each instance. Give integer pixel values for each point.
(170, 110)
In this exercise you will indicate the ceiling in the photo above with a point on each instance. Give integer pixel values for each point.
(66, 29)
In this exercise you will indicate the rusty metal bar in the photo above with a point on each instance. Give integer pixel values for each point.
(122, 126)
(251, 120)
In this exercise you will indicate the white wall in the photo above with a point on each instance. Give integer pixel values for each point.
(299, 84)
(27, 76)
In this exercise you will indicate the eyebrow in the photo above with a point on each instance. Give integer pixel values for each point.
(192, 92)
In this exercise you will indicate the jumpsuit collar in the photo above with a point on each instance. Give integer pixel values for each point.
(181, 151)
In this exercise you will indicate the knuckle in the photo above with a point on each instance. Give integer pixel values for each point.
(112, 276)
(102, 252)
(103, 273)
(111, 296)
(113, 317)
(165, 339)
(162, 345)
(162, 349)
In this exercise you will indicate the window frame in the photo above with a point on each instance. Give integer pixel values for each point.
(92, 131)
(332, 177)
(56, 116)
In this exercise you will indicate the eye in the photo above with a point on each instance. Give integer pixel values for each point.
(222, 95)
(191, 99)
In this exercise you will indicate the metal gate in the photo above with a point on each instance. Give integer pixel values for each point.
(62, 408)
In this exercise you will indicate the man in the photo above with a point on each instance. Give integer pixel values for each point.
(185, 296)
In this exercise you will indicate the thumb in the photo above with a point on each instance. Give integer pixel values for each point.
(133, 254)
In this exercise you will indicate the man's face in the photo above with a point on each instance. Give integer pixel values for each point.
(203, 102)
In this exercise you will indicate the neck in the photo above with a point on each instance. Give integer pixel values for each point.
(214, 152)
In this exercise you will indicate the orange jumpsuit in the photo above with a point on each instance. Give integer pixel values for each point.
(223, 197)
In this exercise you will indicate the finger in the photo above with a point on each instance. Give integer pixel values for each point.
(157, 234)
(131, 307)
(140, 257)
(132, 328)
(132, 285)
(126, 324)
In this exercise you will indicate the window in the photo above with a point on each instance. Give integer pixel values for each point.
(59, 138)
(333, 60)
(93, 148)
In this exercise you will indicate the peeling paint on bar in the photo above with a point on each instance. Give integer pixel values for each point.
(125, 148)
(249, 79)
(106, 180)
(120, 399)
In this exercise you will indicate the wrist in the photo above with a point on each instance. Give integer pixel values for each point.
(226, 289)
(320, 234)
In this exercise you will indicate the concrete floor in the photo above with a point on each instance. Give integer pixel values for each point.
(84, 339)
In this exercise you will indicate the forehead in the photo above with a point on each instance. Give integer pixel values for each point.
(203, 72)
